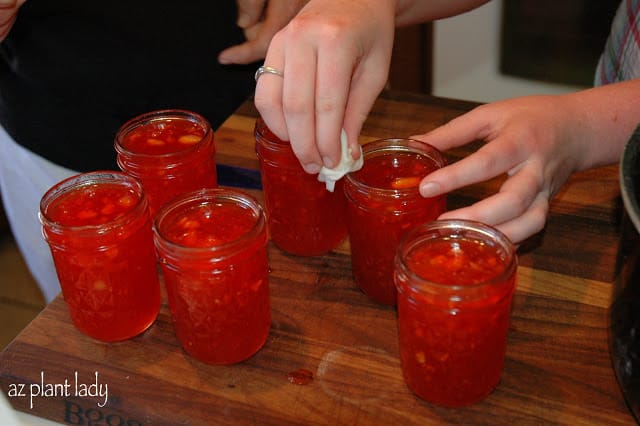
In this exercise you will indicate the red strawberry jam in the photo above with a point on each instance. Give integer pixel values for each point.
(99, 231)
(212, 246)
(171, 152)
(383, 204)
(455, 282)
(304, 218)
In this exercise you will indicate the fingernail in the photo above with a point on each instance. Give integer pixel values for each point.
(430, 189)
(328, 163)
(243, 20)
(311, 168)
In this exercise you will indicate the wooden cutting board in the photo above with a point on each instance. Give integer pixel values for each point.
(332, 354)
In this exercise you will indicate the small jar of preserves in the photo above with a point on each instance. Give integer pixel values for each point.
(212, 246)
(170, 151)
(455, 281)
(305, 218)
(383, 203)
(98, 228)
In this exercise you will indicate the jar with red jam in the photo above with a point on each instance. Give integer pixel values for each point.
(98, 228)
(383, 203)
(212, 246)
(305, 218)
(456, 281)
(170, 151)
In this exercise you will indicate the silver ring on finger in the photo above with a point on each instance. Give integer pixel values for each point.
(267, 70)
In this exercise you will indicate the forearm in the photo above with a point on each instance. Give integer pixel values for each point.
(409, 12)
(605, 118)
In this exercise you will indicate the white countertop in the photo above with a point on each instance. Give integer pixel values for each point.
(11, 417)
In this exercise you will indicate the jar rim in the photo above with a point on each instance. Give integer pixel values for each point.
(391, 145)
(204, 197)
(264, 135)
(160, 115)
(457, 228)
(80, 180)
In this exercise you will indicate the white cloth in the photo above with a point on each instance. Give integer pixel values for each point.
(347, 164)
(24, 178)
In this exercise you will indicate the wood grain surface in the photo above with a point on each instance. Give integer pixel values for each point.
(557, 371)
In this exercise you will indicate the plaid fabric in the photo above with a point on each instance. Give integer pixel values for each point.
(620, 59)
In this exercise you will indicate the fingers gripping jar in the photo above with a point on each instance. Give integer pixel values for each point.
(170, 151)
(383, 203)
(304, 218)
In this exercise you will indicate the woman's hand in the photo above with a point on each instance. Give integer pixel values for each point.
(260, 20)
(335, 57)
(534, 140)
(538, 141)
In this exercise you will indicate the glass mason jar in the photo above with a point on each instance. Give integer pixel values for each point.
(304, 218)
(98, 228)
(383, 202)
(170, 151)
(456, 281)
(212, 246)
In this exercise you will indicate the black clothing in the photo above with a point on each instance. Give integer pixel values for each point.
(73, 71)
